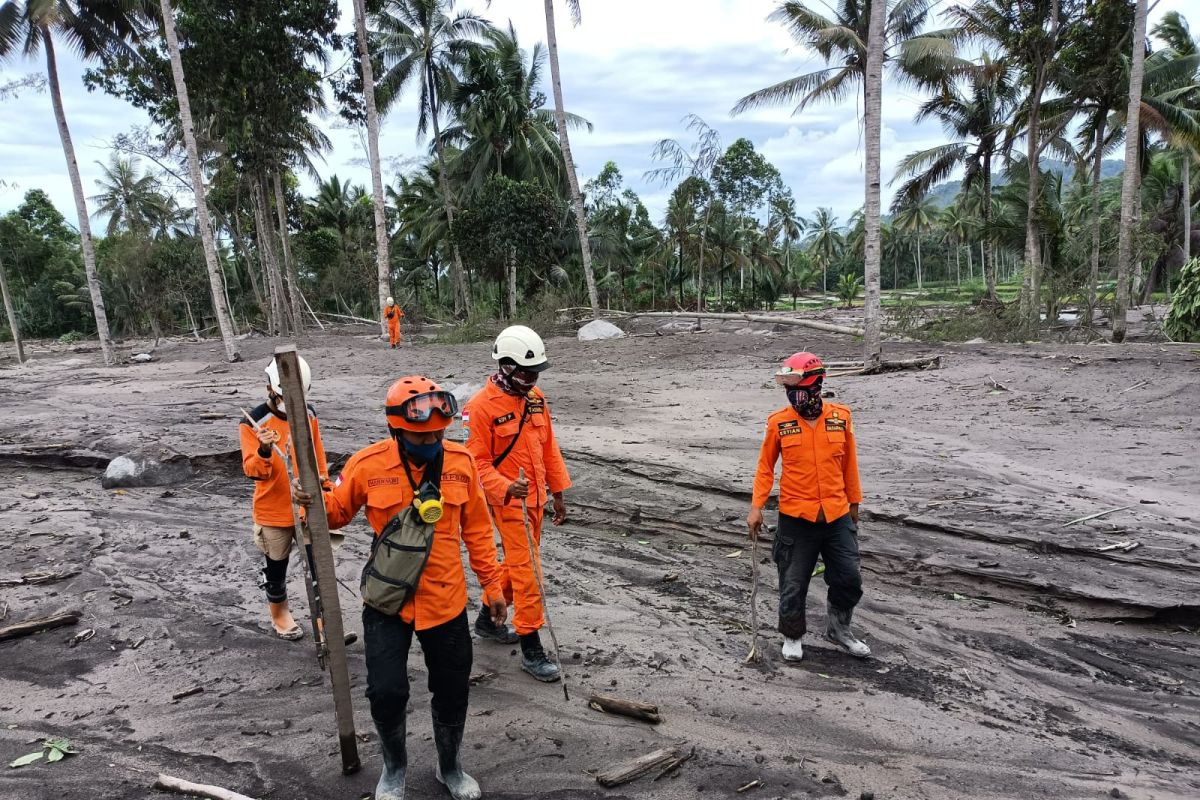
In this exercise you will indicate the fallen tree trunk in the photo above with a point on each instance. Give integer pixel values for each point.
(362, 320)
(168, 784)
(802, 323)
(627, 771)
(626, 708)
(923, 362)
(31, 626)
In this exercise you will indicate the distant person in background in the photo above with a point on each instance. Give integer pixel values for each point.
(393, 315)
(819, 494)
(274, 523)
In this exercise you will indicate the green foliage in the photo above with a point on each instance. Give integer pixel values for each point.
(848, 288)
(1183, 320)
(52, 750)
(510, 219)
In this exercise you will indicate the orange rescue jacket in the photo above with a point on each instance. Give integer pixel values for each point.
(272, 496)
(492, 418)
(374, 477)
(820, 464)
(393, 315)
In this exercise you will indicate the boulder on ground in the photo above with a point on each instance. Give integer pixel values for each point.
(600, 329)
(147, 466)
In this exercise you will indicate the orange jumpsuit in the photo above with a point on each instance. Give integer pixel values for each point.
(272, 505)
(374, 477)
(820, 464)
(492, 418)
(393, 314)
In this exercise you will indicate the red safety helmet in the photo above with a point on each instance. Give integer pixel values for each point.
(800, 369)
(415, 403)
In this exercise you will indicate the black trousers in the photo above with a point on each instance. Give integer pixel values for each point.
(798, 542)
(448, 656)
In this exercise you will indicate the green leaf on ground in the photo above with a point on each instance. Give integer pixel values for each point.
(26, 760)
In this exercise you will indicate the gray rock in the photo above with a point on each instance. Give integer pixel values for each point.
(147, 466)
(141, 358)
(599, 329)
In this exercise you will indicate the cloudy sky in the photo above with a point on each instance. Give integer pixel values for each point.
(634, 68)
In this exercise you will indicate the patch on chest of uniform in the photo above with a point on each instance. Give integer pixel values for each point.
(386, 480)
(835, 424)
(790, 428)
(509, 417)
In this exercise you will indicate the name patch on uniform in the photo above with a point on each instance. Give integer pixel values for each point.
(509, 417)
(456, 477)
(535, 405)
(384, 481)
(790, 428)
(835, 424)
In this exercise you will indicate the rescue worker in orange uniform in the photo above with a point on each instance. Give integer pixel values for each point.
(274, 524)
(393, 315)
(385, 477)
(509, 430)
(819, 497)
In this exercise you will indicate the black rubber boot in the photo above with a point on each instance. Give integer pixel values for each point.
(395, 762)
(486, 629)
(534, 661)
(449, 771)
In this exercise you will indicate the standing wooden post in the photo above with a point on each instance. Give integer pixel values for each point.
(318, 528)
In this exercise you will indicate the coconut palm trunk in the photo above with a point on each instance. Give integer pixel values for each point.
(85, 228)
(216, 279)
(564, 143)
(1129, 181)
(295, 299)
(382, 261)
(266, 253)
(872, 117)
(458, 275)
(1094, 269)
(14, 327)
(1187, 204)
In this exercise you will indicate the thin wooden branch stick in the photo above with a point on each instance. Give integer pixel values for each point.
(166, 783)
(1097, 514)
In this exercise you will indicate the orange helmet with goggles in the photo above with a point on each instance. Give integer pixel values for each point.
(800, 369)
(415, 403)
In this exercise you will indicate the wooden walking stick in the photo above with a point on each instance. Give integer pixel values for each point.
(753, 655)
(318, 528)
(310, 583)
(537, 574)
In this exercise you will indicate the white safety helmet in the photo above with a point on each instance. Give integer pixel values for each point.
(522, 346)
(390, 301)
(272, 371)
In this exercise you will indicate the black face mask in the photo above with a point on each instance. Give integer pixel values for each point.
(806, 400)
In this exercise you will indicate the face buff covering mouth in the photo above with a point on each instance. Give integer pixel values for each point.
(421, 453)
(806, 400)
(515, 381)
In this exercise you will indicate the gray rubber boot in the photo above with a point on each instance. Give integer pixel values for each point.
(837, 630)
(395, 762)
(449, 771)
(534, 660)
(486, 629)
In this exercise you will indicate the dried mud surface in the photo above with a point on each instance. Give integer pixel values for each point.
(1012, 658)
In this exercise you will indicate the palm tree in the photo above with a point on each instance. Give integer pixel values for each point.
(131, 201)
(697, 161)
(216, 279)
(1129, 181)
(975, 113)
(1173, 29)
(872, 121)
(916, 218)
(93, 28)
(420, 43)
(382, 262)
(824, 242)
(565, 142)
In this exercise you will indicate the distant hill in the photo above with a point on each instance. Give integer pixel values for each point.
(944, 194)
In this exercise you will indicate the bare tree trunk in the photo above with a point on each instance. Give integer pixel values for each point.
(565, 144)
(970, 262)
(1094, 270)
(85, 226)
(872, 120)
(920, 282)
(1129, 182)
(266, 252)
(289, 266)
(239, 244)
(987, 265)
(216, 278)
(382, 261)
(512, 284)
(13, 326)
(458, 275)
(1187, 204)
(1031, 287)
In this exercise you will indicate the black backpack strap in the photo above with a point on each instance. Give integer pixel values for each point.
(498, 460)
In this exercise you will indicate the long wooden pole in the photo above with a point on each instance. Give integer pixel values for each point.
(322, 551)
